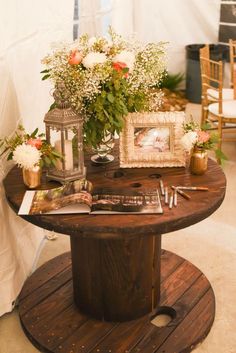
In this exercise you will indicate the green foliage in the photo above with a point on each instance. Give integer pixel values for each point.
(191, 126)
(171, 81)
(52, 106)
(9, 144)
(220, 155)
(47, 74)
(107, 110)
(49, 155)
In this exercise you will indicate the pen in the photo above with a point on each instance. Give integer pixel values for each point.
(166, 195)
(200, 188)
(175, 198)
(186, 196)
(162, 188)
(171, 200)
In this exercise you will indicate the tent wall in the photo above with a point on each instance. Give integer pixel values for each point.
(26, 30)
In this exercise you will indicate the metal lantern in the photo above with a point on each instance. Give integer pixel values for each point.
(67, 127)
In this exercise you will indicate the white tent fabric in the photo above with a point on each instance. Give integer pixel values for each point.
(19, 241)
(26, 30)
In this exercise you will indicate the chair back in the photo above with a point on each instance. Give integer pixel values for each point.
(205, 51)
(232, 59)
(212, 78)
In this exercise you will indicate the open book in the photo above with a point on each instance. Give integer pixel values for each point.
(78, 197)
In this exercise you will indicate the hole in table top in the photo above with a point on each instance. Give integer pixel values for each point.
(118, 174)
(114, 174)
(163, 316)
(155, 176)
(136, 185)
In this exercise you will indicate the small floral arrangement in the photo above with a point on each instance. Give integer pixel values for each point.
(29, 150)
(201, 138)
(106, 79)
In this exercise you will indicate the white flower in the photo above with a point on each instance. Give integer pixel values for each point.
(126, 57)
(26, 156)
(188, 140)
(93, 58)
(108, 45)
(92, 41)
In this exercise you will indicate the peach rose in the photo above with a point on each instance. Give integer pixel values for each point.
(35, 143)
(118, 66)
(75, 57)
(203, 136)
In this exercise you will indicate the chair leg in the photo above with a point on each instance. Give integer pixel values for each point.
(220, 137)
(204, 114)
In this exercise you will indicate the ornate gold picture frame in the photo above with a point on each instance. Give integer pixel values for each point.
(152, 140)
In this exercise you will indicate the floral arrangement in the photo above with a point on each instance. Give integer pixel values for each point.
(29, 150)
(106, 79)
(201, 138)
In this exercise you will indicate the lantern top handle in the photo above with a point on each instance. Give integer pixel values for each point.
(62, 116)
(61, 96)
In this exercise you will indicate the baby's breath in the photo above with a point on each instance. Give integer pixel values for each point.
(92, 83)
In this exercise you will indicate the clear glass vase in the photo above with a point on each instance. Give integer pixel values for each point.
(103, 150)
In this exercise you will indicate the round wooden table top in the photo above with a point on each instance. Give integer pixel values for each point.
(201, 205)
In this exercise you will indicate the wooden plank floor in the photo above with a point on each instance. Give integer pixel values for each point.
(53, 323)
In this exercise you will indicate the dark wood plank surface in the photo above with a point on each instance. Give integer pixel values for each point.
(201, 205)
(115, 280)
(55, 325)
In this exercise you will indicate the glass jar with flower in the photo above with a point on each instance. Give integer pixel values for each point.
(106, 79)
(197, 141)
(30, 152)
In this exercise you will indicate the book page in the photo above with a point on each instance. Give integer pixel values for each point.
(126, 201)
(58, 200)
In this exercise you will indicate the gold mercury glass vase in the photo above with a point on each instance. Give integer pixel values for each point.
(32, 177)
(198, 161)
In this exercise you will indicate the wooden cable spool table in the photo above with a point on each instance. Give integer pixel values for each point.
(102, 297)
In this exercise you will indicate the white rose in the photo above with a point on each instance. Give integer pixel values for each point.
(93, 58)
(91, 41)
(188, 140)
(126, 57)
(108, 45)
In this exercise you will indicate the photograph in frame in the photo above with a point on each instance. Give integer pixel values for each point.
(152, 140)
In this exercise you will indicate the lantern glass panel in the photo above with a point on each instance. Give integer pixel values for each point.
(67, 138)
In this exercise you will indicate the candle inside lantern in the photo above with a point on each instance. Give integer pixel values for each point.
(68, 155)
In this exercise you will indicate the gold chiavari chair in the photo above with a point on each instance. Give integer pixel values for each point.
(220, 113)
(211, 95)
(232, 59)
